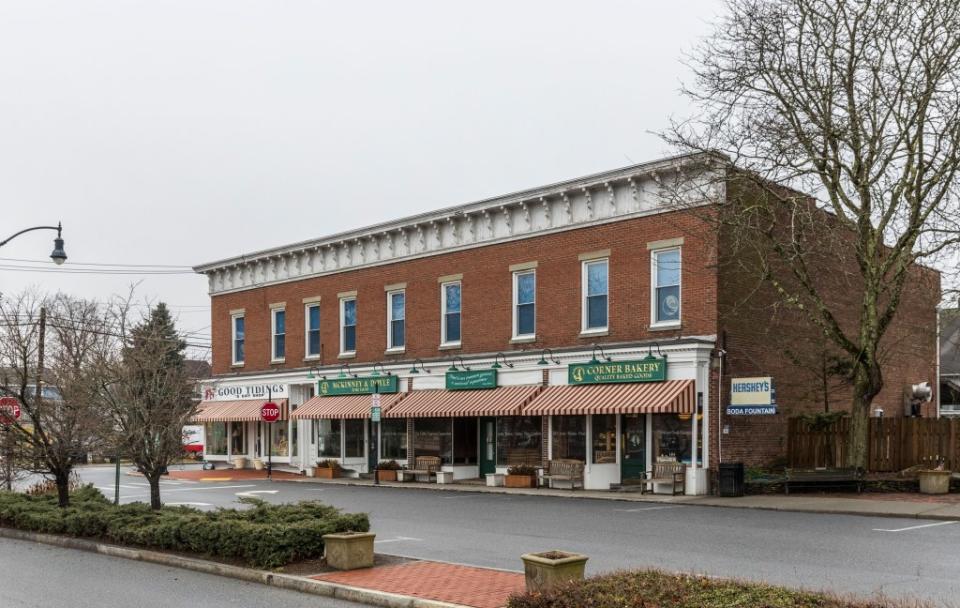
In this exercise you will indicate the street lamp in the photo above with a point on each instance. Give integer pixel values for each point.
(59, 256)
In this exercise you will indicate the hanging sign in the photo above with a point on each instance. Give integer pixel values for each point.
(471, 379)
(754, 396)
(375, 409)
(358, 386)
(649, 369)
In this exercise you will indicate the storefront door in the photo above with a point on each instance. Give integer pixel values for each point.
(633, 460)
(488, 445)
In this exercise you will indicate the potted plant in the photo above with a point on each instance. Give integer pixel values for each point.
(328, 469)
(521, 476)
(548, 569)
(935, 481)
(239, 462)
(387, 471)
(258, 464)
(349, 550)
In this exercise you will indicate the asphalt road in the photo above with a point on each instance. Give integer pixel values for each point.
(41, 576)
(842, 553)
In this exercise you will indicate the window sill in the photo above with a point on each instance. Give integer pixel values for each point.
(349, 355)
(395, 351)
(312, 358)
(592, 333)
(523, 339)
(236, 365)
(450, 346)
(664, 326)
(277, 361)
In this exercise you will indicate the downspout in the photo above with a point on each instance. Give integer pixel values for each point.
(937, 346)
(721, 354)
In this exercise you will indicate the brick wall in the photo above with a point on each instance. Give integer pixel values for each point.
(486, 296)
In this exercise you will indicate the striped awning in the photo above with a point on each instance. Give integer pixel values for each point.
(502, 401)
(244, 410)
(345, 406)
(670, 397)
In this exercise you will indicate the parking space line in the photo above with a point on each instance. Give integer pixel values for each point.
(940, 523)
(637, 510)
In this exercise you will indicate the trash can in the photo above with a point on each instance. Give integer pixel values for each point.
(731, 478)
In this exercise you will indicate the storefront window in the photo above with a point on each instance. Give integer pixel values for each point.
(216, 438)
(433, 437)
(279, 439)
(393, 438)
(328, 438)
(672, 437)
(353, 434)
(604, 439)
(465, 441)
(569, 436)
(238, 438)
(519, 440)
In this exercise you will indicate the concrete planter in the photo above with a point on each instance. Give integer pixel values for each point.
(520, 481)
(349, 551)
(934, 482)
(310, 471)
(258, 464)
(444, 476)
(495, 480)
(550, 568)
(327, 473)
(239, 462)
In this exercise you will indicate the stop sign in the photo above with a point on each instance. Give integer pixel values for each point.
(9, 410)
(269, 412)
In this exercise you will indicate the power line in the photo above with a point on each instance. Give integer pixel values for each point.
(60, 270)
(118, 264)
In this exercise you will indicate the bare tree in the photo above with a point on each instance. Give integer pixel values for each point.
(52, 342)
(150, 395)
(858, 103)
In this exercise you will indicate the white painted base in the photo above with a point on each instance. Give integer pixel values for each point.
(444, 476)
(696, 481)
(495, 479)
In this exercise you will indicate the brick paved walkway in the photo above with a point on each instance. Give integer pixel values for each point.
(453, 583)
(228, 475)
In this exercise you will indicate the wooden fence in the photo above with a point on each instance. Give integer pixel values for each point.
(894, 443)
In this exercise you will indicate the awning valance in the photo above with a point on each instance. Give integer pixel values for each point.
(346, 406)
(670, 397)
(244, 410)
(502, 401)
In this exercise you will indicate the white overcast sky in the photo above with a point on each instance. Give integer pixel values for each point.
(180, 132)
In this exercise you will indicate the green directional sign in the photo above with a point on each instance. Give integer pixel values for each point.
(358, 386)
(471, 380)
(650, 369)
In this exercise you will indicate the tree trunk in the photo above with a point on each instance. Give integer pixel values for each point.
(154, 480)
(63, 489)
(868, 381)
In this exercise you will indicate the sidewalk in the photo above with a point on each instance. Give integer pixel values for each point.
(910, 505)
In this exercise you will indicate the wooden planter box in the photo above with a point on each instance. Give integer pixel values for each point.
(349, 551)
(327, 473)
(546, 570)
(520, 481)
(387, 475)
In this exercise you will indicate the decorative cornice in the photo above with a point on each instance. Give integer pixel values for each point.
(585, 201)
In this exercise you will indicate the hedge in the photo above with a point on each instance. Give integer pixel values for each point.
(655, 589)
(263, 535)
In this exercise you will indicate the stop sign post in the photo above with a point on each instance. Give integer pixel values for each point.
(269, 413)
(9, 410)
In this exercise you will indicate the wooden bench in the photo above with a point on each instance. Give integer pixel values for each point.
(823, 478)
(564, 469)
(422, 465)
(673, 473)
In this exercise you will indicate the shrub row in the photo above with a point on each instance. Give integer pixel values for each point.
(654, 589)
(263, 535)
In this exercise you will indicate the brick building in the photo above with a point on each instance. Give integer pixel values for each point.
(587, 319)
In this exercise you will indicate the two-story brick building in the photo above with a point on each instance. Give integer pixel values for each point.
(586, 319)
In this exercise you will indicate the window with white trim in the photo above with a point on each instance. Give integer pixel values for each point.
(238, 332)
(524, 303)
(450, 313)
(278, 342)
(396, 319)
(311, 317)
(348, 326)
(665, 292)
(595, 295)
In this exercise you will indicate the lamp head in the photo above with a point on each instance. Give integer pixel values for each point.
(59, 256)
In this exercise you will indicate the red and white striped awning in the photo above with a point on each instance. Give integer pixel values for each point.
(502, 401)
(670, 397)
(244, 410)
(344, 406)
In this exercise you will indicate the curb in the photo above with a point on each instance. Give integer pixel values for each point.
(273, 579)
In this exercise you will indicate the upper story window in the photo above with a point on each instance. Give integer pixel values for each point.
(595, 295)
(665, 265)
(348, 325)
(238, 329)
(279, 341)
(311, 315)
(396, 320)
(524, 303)
(450, 313)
